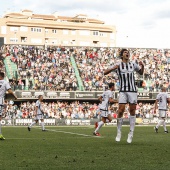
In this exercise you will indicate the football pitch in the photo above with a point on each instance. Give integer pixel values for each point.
(74, 148)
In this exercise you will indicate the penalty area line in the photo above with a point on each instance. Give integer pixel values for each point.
(27, 138)
(72, 133)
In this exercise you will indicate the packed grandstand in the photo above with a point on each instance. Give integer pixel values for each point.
(75, 69)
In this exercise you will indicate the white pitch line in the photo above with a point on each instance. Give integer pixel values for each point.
(27, 138)
(72, 133)
(83, 127)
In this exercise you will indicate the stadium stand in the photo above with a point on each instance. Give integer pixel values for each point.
(81, 68)
(40, 69)
(91, 64)
(73, 110)
(78, 69)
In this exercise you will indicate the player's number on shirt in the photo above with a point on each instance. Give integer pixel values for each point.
(160, 99)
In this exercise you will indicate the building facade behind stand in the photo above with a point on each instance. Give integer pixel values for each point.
(27, 28)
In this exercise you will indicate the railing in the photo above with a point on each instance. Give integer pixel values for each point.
(75, 95)
(77, 122)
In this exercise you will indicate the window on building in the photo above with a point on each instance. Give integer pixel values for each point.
(95, 43)
(73, 32)
(3, 29)
(46, 31)
(103, 34)
(23, 39)
(14, 29)
(65, 32)
(23, 28)
(84, 32)
(46, 40)
(54, 31)
(36, 29)
(13, 40)
(95, 33)
(73, 42)
(39, 29)
(54, 41)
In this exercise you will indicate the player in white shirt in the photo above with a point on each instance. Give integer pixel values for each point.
(128, 91)
(163, 99)
(105, 99)
(39, 114)
(4, 86)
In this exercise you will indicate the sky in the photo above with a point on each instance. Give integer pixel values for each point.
(139, 23)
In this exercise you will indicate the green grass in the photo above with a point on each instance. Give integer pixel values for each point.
(37, 150)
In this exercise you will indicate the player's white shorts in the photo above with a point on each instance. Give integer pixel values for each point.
(39, 117)
(104, 113)
(127, 97)
(162, 113)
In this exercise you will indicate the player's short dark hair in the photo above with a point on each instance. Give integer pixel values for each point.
(39, 96)
(163, 88)
(2, 74)
(122, 51)
(111, 85)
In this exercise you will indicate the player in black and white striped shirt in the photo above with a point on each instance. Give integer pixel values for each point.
(126, 76)
(128, 91)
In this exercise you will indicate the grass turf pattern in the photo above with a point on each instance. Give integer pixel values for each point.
(63, 148)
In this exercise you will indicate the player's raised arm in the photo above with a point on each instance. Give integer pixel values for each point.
(11, 92)
(111, 69)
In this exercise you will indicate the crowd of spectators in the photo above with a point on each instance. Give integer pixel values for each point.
(49, 68)
(2, 66)
(73, 110)
(93, 62)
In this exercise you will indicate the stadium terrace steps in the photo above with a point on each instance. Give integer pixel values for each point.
(80, 83)
(27, 83)
(11, 68)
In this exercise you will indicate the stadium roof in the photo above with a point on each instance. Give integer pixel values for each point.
(28, 14)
